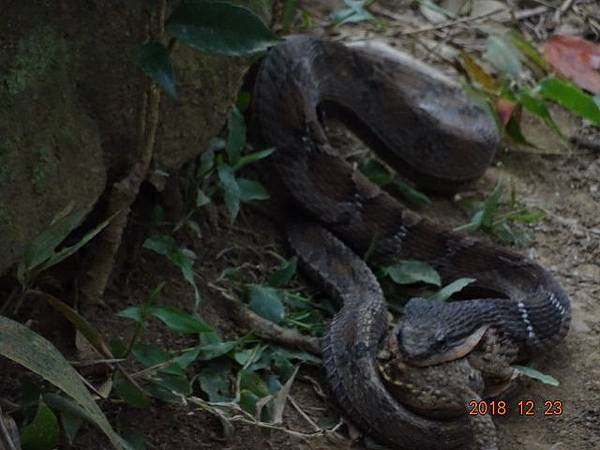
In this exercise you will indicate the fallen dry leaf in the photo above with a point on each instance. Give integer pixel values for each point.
(576, 59)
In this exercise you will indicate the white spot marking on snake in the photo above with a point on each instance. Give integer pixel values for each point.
(400, 234)
(525, 317)
(557, 304)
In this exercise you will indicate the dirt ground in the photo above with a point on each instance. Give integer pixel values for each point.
(567, 241)
(564, 184)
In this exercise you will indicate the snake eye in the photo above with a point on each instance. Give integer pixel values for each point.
(440, 342)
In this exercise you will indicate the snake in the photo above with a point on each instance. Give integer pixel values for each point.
(428, 128)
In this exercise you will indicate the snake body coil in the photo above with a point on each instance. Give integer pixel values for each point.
(425, 126)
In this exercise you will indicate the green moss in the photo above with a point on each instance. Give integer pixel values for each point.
(35, 54)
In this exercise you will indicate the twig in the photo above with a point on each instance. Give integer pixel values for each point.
(563, 9)
(242, 416)
(527, 13)
(9, 436)
(452, 22)
(264, 328)
(124, 192)
(5, 403)
(95, 362)
(303, 414)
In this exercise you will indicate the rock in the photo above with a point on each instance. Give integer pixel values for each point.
(70, 92)
(50, 152)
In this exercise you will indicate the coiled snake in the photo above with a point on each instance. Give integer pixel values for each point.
(425, 126)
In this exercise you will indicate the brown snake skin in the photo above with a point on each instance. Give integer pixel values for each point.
(427, 127)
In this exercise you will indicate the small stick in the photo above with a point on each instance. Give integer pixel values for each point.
(265, 328)
(564, 7)
(452, 23)
(303, 414)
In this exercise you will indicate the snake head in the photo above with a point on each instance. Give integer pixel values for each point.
(421, 334)
(430, 334)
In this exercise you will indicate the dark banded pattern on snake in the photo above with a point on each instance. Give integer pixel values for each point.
(427, 127)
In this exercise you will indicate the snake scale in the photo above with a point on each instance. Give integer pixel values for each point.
(428, 128)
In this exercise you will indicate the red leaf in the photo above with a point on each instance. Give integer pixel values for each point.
(576, 59)
(505, 110)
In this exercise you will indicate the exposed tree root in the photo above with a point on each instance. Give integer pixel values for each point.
(125, 191)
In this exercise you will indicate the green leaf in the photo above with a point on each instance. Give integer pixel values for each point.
(42, 254)
(304, 357)
(154, 60)
(201, 199)
(447, 291)
(490, 206)
(252, 157)
(68, 251)
(71, 425)
(212, 351)
(220, 28)
(149, 355)
(253, 382)
(485, 216)
(503, 55)
(43, 432)
(215, 381)
(178, 384)
(571, 97)
(248, 401)
(231, 191)
(43, 246)
(187, 358)
(408, 272)
(380, 175)
(527, 49)
(355, 13)
(179, 321)
(232, 274)
(529, 217)
(539, 108)
(32, 351)
(474, 225)
(130, 393)
(513, 130)
(537, 375)
(267, 302)
(71, 414)
(173, 318)
(505, 232)
(290, 11)
(207, 161)
(377, 173)
(236, 135)
(180, 256)
(251, 190)
(91, 334)
(410, 193)
(163, 394)
(284, 273)
(243, 101)
(250, 356)
(135, 313)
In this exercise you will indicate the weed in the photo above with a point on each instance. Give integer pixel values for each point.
(505, 222)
